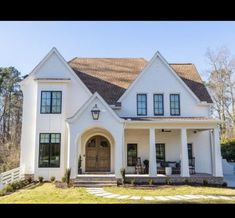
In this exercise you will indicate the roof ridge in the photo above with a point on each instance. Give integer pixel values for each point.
(108, 58)
(181, 63)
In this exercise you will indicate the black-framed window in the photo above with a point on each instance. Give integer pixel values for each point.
(49, 150)
(141, 104)
(158, 104)
(131, 154)
(160, 151)
(175, 104)
(190, 150)
(51, 102)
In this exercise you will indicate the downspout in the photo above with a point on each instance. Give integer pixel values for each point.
(123, 145)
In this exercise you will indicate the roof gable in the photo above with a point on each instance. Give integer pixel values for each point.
(54, 66)
(111, 77)
(88, 103)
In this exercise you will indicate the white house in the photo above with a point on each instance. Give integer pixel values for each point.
(115, 113)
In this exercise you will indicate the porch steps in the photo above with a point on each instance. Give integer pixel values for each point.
(95, 181)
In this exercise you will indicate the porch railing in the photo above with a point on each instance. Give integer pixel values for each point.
(11, 176)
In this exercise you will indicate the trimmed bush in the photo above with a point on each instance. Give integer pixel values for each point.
(15, 185)
(225, 184)
(52, 179)
(40, 179)
(186, 181)
(150, 182)
(67, 175)
(123, 173)
(133, 181)
(63, 179)
(205, 182)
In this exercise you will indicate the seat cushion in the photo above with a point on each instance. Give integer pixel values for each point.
(172, 164)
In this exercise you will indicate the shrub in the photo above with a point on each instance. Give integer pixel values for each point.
(63, 179)
(2, 193)
(186, 181)
(52, 179)
(228, 149)
(22, 183)
(133, 181)
(80, 164)
(40, 178)
(15, 185)
(123, 173)
(67, 175)
(225, 184)
(150, 182)
(8, 188)
(205, 182)
(29, 179)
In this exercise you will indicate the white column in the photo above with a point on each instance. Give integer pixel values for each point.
(184, 154)
(119, 153)
(152, 154)
(217, 168)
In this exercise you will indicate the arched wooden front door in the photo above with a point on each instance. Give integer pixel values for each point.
(98, 154)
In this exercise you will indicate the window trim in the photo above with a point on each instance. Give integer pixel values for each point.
(146, 104)
(179, 104)
(50, 102)
(127, 153)
(49, 149)
(164, 150)
(162, 104)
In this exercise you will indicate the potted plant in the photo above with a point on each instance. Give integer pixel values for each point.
(80, 164)
(146, 164)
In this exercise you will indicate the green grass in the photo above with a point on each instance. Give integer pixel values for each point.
(171, 190)
(48, 193)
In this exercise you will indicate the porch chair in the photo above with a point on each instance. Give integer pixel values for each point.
(138, 166)
(191, 163)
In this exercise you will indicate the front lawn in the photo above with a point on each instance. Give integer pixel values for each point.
(48, 193)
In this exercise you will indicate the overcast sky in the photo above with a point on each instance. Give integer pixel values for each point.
(24, 44)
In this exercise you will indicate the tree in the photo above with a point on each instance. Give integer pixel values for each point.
(10, 117)
(221, 84)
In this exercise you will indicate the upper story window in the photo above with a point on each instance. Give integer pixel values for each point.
(175, 104)
(158, 105)
(51, 102)
(141, 104)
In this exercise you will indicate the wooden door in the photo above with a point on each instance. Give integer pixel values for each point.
(98, 155)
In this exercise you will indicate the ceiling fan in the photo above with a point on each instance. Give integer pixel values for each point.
(163, 130)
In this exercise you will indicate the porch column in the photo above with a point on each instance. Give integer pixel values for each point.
(184, 154)
(119, 152)
(152, 154)
(217, 159)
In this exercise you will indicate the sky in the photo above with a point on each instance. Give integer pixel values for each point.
(23, 44)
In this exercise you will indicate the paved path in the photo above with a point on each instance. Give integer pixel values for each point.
(230, 179)
(102, 193)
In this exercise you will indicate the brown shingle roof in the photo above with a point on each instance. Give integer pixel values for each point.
(110, 77)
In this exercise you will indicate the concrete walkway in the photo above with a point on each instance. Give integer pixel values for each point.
(230, 179)
(102, 193)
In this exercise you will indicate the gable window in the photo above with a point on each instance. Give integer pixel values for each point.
(175, 104)
(141, 104)
(160, 152)
(131, 154)
(49, 150)
(158, 104)
(51, 102)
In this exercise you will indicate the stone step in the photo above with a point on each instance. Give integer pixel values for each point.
(79, 178)
(95, 184)
(97, 181)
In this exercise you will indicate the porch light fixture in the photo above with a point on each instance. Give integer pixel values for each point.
(95, 112)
